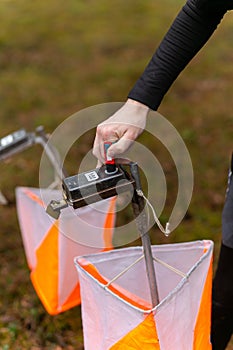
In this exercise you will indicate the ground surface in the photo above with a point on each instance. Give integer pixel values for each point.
(59, 57)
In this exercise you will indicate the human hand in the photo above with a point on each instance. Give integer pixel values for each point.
(124, 126)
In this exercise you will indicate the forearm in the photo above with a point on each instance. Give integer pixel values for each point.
(191, 29)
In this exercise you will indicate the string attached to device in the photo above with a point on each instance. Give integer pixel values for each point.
(165, 230)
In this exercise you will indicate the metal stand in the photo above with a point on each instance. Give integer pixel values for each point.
(138, 204)
(52, 154)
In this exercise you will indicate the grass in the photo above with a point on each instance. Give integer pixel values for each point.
(58, 57)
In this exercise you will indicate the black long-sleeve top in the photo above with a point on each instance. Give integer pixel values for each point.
(191, 29)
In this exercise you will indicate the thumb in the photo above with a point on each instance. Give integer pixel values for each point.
(120, 147)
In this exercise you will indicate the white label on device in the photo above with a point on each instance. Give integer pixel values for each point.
(91, 176)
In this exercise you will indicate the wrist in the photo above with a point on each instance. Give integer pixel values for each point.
(138, 105)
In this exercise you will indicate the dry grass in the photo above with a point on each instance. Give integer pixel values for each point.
(59, 57)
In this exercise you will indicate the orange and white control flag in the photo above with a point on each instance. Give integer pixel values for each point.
(116, 310)
(51, 245)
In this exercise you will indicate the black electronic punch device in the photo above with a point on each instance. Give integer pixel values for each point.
(95, 185)
(92, 186)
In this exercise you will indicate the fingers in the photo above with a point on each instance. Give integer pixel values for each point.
(98, 148)
(124, 127)
(98, 165)
(105, 132)
(121, 135)
(120, 147)
(117, 149)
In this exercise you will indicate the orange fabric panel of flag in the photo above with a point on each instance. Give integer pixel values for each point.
(202, 328)
(73, 299)
(45, 276)
(143, 337)
(115, 288)
(108, 226)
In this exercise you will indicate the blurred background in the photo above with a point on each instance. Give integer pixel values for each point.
(59, 57)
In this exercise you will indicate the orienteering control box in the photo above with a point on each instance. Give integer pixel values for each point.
(95, 185)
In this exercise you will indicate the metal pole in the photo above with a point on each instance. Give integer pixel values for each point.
(51, 152)
(138, 204)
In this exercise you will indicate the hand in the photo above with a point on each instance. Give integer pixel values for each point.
(124, 126)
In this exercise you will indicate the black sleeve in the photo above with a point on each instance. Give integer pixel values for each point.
(190, 30)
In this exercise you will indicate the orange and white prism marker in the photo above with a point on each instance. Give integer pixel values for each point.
(116, 306)
(51, 245)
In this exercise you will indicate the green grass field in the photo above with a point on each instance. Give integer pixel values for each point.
(59, 57)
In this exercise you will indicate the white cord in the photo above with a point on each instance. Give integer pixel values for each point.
(124, 271)
(165, 230)
(178, 272)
